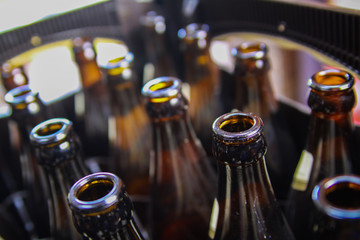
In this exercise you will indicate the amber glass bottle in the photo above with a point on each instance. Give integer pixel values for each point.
(27, 111)
(101, 208)
(57, 149)
(129, 132)
(183, 181)
(253, 93)
(203, 79)
(12, 76)
(337, 200)
(91, 103)
(245, 206)
(159, 59)
(326, 152)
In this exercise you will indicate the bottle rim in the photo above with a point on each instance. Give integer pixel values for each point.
(58, 129)
(122, 61)
(194, 31)
(20, 94)
(162, 87)
(101, 203)
(254, 129)
(345, 80)
(319, 197)
(250, 50)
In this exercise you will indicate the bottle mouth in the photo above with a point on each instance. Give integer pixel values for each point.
(331, 80)
(162, 89)
(250, 50)
(51, 131)
(122, 61)
(339, 196)
(237, 126)
(21, 94)
(194, 31)
(95, 193)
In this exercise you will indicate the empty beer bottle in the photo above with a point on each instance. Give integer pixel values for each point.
(13, 76)
(101, 208)
(91, 103)
(58, 151)
(253, 93)
(337, 200)
(27, 111)
(203, 79)
(245, 206)
(159, 60)
(129, 132)
(326, 152)
(183, 181)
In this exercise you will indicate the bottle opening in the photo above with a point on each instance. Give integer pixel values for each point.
(345, 195)
(22, 93)
(237, 123)
(238, 126)
(250, 50)
(161, 86)
(162, 89)
(331, 80)
(338, 197)
(95, 190)
(49, 129)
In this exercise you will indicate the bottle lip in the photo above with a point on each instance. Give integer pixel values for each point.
(319, 81)
(100, 204)
(194, 31)
(321, 202)
(151, 19)
(250, 50)
(20, 94)
(123, 61)
(162, 88)
(63, 128)
(255, 130)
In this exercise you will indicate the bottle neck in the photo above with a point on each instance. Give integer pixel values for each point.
(236, 180)
(254, 90)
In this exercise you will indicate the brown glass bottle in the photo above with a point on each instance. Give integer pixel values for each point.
(337, 200)
(203, 78)
(245, 206)
(253, 93)
(27, 111)
(58, 151)
(183, 181)
(129, 132)
(91, 103)
(101, 208)
(12, 76)
(326, 152)
(159, 60)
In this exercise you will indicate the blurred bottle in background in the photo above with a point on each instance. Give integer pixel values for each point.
(158, 55)
(253, 93)
(202, 78)
(327, 150)
(129, 132)
(12, 76)
(27, 111)
(91, 103)
(183, 180)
